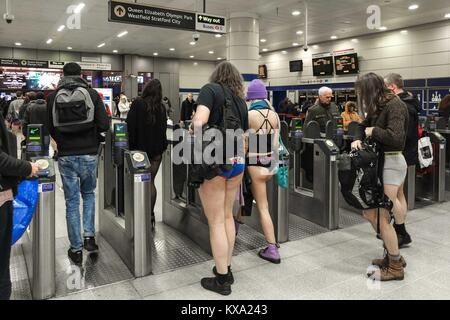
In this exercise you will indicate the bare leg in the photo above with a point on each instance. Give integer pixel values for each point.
(230, 198)
(400, 216)
(259, 189)
(387, 231)
(212, 194)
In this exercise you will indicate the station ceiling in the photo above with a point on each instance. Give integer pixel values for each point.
(36, 21)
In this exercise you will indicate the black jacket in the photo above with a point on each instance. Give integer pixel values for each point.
(36, 113)
(85, 143)
(412, 137)
(187, 108)
(12, 170)
(322, 114)
(144, 136)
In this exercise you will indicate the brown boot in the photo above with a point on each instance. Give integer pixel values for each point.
(393, 271)
(385, 262)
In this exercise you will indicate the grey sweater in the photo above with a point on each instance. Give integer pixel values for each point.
(391, 126)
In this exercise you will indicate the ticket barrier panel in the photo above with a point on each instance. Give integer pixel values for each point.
(316, 199)
(39, 242)
(125, 203)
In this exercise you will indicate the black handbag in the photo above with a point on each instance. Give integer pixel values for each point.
(360, 177)
(198, 172)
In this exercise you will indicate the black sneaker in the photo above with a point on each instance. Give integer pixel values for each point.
(90, 245)
(403, 239)
(213, 285)
(230, 278)
(76, 257)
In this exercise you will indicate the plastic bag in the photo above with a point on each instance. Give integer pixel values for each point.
(24, 206)
(282, 173)
(425, 152)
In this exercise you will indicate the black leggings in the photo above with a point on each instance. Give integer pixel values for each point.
(6, 220)
(155, 164)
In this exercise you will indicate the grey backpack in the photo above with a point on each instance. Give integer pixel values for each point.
(73, 110)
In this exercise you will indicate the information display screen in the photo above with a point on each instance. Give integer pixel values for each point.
(262, 71)
(323, 66)
(120, 130)
(298, 124)
(34, 134)
(29, 80)
(346, 64)
(13, 80)
(296, 66)
(43, 80)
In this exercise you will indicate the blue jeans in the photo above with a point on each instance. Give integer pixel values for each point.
(79, 175)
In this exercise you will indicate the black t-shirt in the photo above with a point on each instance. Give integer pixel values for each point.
(212, 97)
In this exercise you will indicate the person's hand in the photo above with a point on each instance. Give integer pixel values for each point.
(34, 169)
(357, 145)
(369, 131)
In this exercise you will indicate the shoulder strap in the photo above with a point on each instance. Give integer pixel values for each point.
(227, 103)
(263, 105)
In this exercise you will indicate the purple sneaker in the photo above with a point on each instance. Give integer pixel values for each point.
(270, 254)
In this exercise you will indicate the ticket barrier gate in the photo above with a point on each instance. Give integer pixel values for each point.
(443, 127)
(39, 241)
(430, 183)
(314, 189)
(182, 209)
(278, 200)
(347, 139)
(335, 131)
(124, 201)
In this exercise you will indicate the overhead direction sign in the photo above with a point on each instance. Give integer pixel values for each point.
(23, 63)
(209, 23)
(132, 13)
(151, 16)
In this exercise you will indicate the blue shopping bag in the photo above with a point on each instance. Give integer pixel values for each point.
(24, 206)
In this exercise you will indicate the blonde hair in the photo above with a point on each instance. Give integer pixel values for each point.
(228, 75)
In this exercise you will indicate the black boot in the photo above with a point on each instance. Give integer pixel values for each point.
(230, 277)
(217, 284)
(403, 236)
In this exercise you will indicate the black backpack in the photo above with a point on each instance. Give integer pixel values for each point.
(232, 119)
(359, 177)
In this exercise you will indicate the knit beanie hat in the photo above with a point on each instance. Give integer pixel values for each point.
(256, 90)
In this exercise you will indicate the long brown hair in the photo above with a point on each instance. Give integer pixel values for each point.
(373, 94)
(152, 96)
(228, 75)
